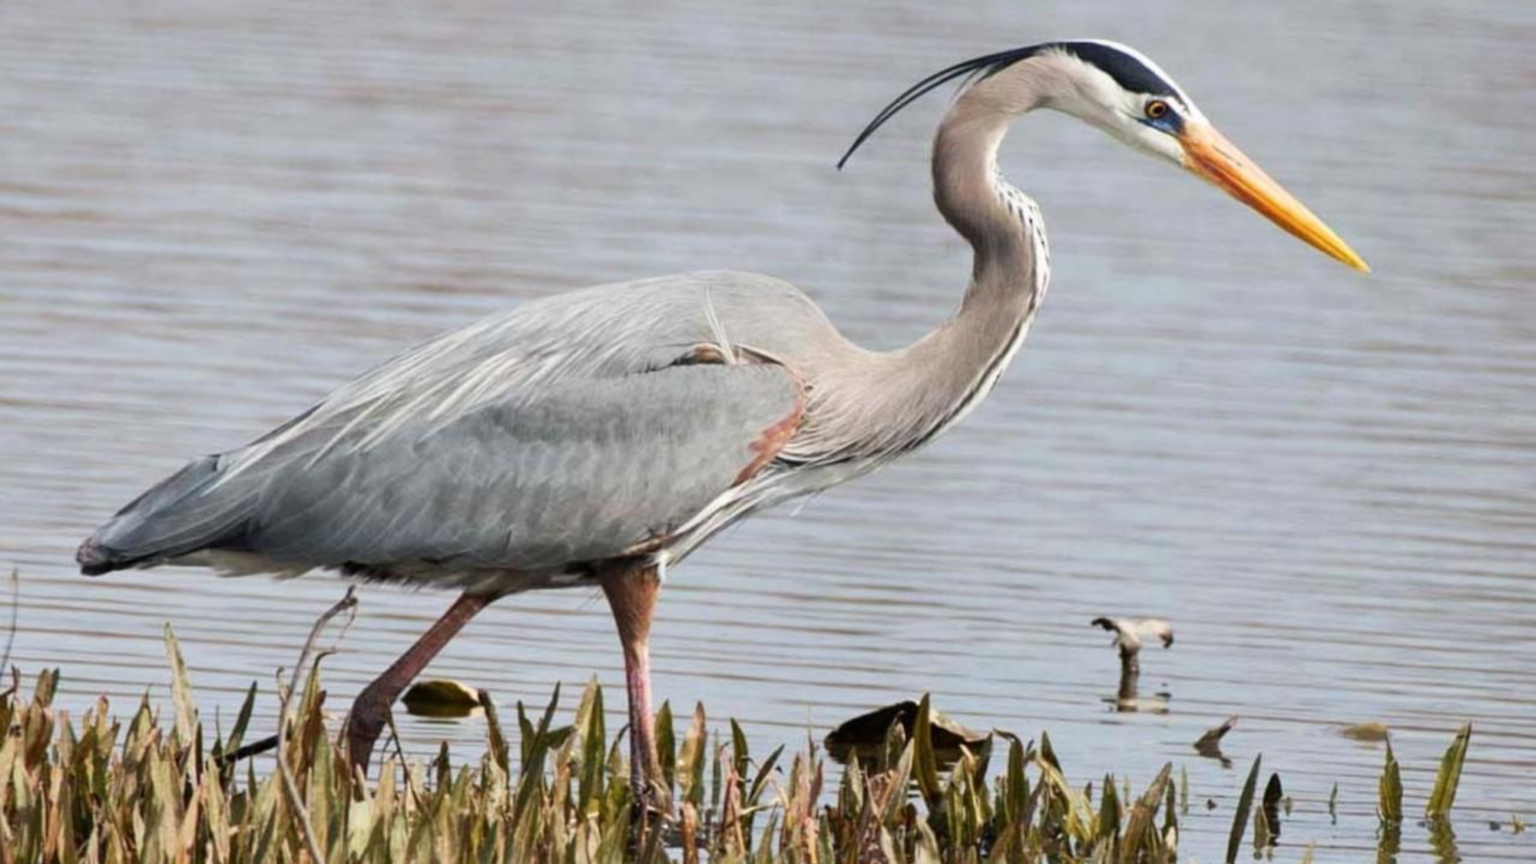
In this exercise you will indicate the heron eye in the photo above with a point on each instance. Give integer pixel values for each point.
(1156, 108)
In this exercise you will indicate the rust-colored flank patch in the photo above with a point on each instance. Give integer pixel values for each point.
(772, 440)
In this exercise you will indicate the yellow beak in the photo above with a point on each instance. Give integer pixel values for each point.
(1209, 154)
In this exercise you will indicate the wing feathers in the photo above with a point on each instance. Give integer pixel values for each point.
(583, 472)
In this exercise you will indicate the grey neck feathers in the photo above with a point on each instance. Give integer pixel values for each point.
(1000, 222)
(884, 404)
(951, 369)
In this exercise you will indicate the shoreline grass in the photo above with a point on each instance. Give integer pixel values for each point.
(102, 790)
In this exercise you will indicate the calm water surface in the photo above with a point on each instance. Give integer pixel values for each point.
(211, 213)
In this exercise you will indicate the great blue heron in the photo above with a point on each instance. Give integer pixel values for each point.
(597, 437)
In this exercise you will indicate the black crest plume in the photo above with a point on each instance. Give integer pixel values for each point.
(982, 66)
(1123, 66)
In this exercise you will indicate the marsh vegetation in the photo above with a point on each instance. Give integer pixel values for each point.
(166, 785)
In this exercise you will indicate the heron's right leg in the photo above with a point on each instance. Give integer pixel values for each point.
(632, 588)
(371, 708)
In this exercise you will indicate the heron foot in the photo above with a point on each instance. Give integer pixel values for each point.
(370, 710)
(365, 722)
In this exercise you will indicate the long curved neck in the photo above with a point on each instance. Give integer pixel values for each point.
(947, 372)
(1000, 222)
(869, 407)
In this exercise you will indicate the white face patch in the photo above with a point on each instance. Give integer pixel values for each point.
(1092, 95)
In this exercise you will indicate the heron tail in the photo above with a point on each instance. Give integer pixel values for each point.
(179, 515)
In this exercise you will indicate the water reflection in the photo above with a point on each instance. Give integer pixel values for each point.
(1389, 841)
(1128, 698)
(1442, 839)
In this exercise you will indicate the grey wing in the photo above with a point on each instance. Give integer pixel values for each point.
(606, 331)
(417, 454)
(588, 470)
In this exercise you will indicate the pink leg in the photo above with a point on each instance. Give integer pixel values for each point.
(371, 708)
(632, 589)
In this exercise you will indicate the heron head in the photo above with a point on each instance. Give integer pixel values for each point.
(1120, 91)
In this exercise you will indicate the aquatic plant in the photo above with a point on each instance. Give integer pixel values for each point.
(1244, 805)
(103, 791)
(1438, 808)
(1389, 807)
(178, 792)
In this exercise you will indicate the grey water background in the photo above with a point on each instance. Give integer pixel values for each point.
(211, 213)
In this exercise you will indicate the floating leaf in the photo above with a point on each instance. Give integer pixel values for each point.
(864, 736)
(1372, 731)
(441, 697)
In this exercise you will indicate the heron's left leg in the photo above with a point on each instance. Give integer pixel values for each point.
(371, 708)
(632, 589)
